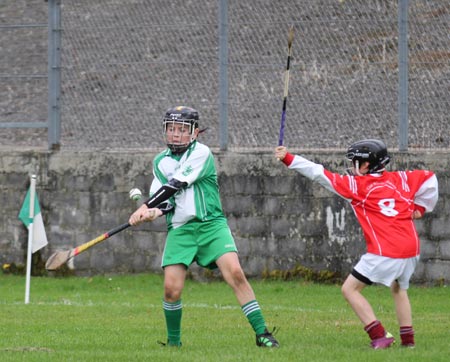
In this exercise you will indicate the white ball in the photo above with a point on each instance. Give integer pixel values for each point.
(135, 194)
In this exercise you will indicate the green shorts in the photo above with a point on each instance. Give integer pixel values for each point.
(202, 242)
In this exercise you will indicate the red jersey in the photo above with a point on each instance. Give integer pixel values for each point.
(383, 203)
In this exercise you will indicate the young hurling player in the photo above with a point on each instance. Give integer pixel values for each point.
(185, 190)
(385, 204)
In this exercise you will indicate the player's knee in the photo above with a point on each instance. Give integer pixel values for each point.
(238, 276)
(171, 293)
(343, 290)
(346, 291)
(171, 296)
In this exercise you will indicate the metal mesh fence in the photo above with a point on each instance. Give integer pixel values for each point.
(23, 71)
(125, 62)
(429, 59)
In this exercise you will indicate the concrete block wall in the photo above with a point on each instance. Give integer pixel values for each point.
(279, 219)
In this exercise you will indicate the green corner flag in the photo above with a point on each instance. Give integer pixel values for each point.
(39, 235)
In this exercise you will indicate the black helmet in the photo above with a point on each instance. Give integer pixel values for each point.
(374, 151)
(184, 115)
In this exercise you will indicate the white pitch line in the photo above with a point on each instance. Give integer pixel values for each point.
(68, 302)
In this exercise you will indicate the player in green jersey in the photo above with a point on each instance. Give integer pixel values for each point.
(185, 190)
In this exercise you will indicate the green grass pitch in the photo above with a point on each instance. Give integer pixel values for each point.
(120, 318)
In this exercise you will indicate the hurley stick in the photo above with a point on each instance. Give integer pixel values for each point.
(57, 259)
(286, 86)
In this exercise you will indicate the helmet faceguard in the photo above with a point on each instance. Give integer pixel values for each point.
(184, 116)
(370, 150)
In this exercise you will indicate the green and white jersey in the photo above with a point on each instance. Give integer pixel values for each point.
(200, 200)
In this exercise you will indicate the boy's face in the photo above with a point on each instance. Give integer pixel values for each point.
(362, 170)
(178, 133)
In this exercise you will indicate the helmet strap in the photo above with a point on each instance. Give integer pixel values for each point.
(356, 167)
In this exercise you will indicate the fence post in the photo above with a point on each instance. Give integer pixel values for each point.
(403, 75)
(54, 74)
(223, 74)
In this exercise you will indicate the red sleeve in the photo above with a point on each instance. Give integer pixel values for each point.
(419, 208)
(287, 160)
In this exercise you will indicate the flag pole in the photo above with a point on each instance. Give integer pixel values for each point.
(30, 238)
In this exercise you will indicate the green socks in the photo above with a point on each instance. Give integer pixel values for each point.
(254, 316)
(173, 312)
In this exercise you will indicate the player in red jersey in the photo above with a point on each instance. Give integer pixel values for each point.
(385, 204)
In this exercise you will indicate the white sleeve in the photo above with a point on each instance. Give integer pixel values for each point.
(427, 195)
(194, 164)
(155, 186)
(314, 171)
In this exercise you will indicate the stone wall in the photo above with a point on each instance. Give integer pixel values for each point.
(279, 219)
